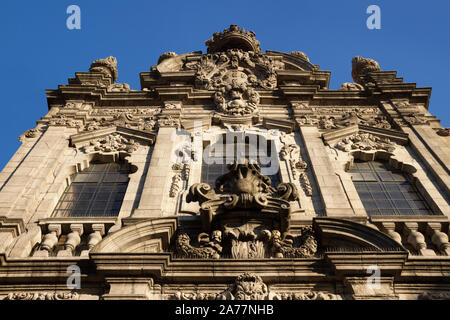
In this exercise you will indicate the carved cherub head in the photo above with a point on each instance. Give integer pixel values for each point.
(216, 236)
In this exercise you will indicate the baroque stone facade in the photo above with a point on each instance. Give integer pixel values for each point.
(287, 220)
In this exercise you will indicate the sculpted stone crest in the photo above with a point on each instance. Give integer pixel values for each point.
(234, 68)
(247, 217)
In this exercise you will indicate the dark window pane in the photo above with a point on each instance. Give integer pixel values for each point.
(384, 204)
(96, 191)
(388, 191)
(396, 195)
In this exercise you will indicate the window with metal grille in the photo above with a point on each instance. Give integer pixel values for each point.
(386, 192)
(97, 191)
(221, 157)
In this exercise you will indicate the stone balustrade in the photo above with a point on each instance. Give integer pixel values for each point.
(422, 236)
(71, 237)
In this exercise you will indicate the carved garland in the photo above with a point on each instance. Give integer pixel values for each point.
(249, 286)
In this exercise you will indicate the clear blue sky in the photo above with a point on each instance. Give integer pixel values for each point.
(38, 52)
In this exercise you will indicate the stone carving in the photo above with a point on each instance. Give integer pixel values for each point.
(182, 171)
(62, 120)
(166, 55)
(365, 141)
(144, 119)
(112, 143)
(306, 185)
(233, 37)
(352, 118)
(106, 66)
(168, 121)
(119, 87)
(235, 68)
(245, 209)
(42, 296)
(348, 86)
(176, 185)
(291, 154)
(361, 67)
(172, 106)
(243, 187)
(32, 133)
(232, 101)
(310, 295)
(303, 246)
(249, 286)
(235, 73)
(434, 296)
(300, 54)
(414, 119)
(444, 132)
(207, 249)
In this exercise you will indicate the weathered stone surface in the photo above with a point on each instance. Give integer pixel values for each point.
(306, 237)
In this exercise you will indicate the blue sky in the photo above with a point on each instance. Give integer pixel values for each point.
(38, 52)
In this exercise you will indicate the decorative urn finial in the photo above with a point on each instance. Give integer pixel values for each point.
(107, 66)
(233, 38)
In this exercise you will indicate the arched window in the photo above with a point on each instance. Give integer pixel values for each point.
(250, 146)
(386, 192)
(97, 191)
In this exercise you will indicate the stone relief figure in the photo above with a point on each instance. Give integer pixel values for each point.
(207, 250)
(286, 249)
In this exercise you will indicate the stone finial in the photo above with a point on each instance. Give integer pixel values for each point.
(166, 55)
(233, 38)
(300, 54)
(107, 66)
(361, 67)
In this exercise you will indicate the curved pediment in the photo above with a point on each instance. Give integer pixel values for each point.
(150, 236)
(344, 235)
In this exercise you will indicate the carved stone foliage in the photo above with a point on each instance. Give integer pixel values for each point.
(181, 173)
(42, 296)
(248, 214)
(302, 246)
(291, 154)
(310, 295)
(444, 132)
(242, 188)
(32, 133)
(106, 66)
(63, 121)
(365, 141)
(235, 74)
(336, 118)
(361, 67)
(141, 119)
(119, 87)
(207, 249)
(348, 86)
(112, 143)
(249, 286)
